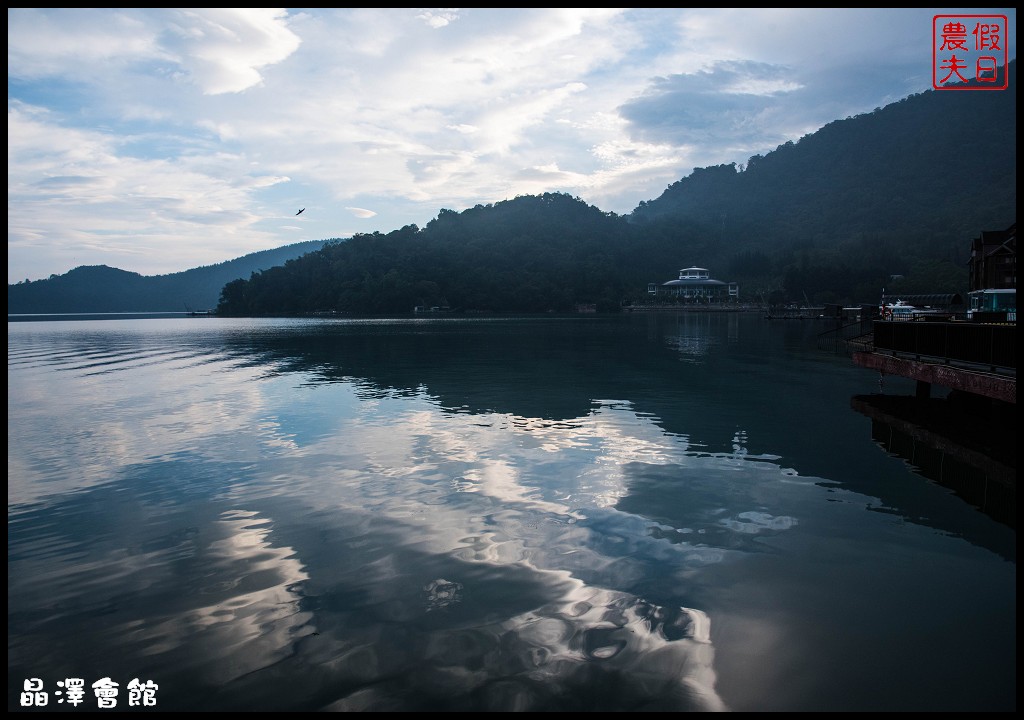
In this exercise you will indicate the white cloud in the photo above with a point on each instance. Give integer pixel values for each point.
(438, 18)
(161, 139)
(361, 212)
(223, 49)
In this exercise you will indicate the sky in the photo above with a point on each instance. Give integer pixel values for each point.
(160, 140)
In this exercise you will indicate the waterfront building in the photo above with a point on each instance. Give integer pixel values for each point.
(993, 267)
(696, 286)
(993, 263)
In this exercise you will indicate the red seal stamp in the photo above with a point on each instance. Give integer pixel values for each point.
(968, 52)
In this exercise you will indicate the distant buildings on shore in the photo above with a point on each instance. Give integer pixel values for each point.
(993, 263)
(695, 286)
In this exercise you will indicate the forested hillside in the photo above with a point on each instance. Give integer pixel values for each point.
(889, 199)
(531, 254)
(901, 190)
(99, 288)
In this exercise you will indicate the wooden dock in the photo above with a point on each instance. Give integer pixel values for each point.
(971, 357)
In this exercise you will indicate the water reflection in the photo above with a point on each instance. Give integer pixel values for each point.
(509, 515)
(692, 336)
(592, 650)
(975, 456)
(216, 603)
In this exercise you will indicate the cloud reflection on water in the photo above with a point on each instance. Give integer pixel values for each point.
(280, 524)
(525, 485)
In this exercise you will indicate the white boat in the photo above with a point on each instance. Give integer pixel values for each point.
(904, 311)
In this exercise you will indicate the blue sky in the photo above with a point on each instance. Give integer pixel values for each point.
(158, 140)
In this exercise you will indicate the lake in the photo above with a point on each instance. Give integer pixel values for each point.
(674, 511)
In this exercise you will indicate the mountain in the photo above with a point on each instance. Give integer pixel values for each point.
(905, 185)
(532, 254)
(99, 289)
(889, 199)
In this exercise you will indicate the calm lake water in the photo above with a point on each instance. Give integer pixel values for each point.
(645, 512)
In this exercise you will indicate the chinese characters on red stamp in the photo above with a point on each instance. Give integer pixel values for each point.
(968, 51)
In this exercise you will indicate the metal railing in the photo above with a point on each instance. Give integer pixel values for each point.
(993, 347)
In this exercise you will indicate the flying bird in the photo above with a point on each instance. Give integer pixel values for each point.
(301, 211)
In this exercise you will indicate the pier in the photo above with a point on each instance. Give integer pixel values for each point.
(977, 358)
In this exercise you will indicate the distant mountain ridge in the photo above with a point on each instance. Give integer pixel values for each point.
(888, 199)
(919, 151)
(102, 289)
